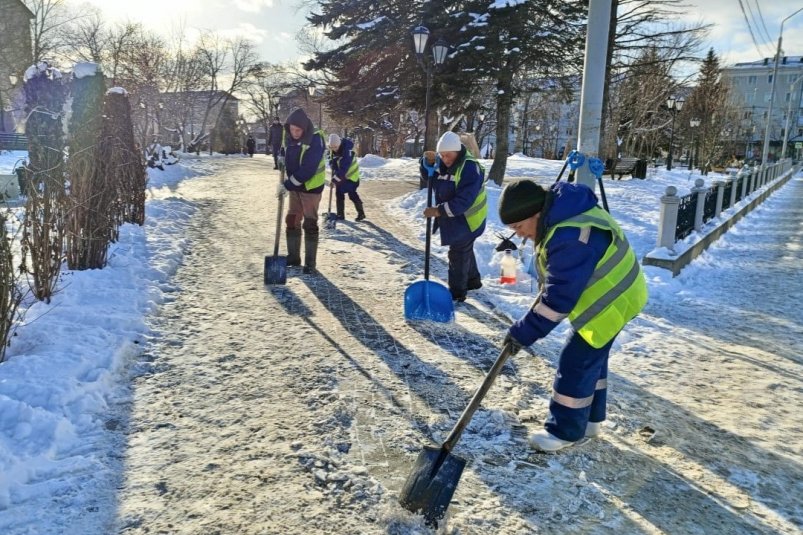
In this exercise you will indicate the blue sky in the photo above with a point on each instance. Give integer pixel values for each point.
(273, 24)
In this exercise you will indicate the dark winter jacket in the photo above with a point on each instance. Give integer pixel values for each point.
(251, 144)
(340, 163)
(570, 262)
(299, 170)
(275, 136)
(455, 229)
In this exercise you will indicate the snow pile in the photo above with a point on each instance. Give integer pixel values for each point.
(372, 160)
(64, 366)
(85, 68)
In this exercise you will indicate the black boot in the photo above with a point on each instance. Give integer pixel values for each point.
(341, 208)
(360, 212)
(293, 246)
(310, 250)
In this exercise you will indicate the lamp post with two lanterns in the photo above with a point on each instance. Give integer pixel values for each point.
(674, 106)
(439, 50)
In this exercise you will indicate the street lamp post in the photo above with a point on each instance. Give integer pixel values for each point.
(789, 112)
(693, 123)
(766, 150)
(439, 50)
(674, 105)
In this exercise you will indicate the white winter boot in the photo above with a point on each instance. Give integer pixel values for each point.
(593, 429)
(545, 441)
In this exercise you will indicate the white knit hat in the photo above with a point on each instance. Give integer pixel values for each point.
(334, 141)
(449, 142)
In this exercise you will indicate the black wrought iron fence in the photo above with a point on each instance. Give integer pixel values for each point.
(686, 210)
(710, 205)
(726, 194)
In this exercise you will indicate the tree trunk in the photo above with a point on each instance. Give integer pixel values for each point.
(504, 100)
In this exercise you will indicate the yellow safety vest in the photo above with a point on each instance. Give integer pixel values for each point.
(353, 173)
(319, 178)
(478, 211)
(616, 291)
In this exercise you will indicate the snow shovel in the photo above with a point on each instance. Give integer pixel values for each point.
(276, 266)
(331, 217)
(426, 299)
(429, 488)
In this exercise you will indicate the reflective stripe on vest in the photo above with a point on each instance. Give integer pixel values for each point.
(319, 178)
(478, 211)
(616, 291)
(353, 173)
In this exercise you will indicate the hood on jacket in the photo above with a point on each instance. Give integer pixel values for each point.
(568, 200)
(299, 118)
(345, 146)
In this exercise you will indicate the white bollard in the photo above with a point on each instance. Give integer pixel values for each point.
(720, 185)
(700, 189)
(669, 218)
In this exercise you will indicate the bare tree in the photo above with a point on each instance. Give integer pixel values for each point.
(51, 17)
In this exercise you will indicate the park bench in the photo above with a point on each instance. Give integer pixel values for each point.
(624, 166)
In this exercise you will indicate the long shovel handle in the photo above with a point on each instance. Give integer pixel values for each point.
(279, 215)
(429, 229)
(475, 402)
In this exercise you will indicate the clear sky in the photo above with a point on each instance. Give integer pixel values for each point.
(273, 24)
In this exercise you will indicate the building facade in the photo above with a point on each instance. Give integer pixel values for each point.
(751, 91)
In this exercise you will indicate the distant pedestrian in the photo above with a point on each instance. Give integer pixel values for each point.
(588, 273)
(305, 164)
(345, 174)
(459, 184)
(275, 140)
(251, 144)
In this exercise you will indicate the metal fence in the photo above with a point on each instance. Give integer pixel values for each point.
(738, 185)
(710, 205)
(726, 198)
(13, 141)
(686, 210)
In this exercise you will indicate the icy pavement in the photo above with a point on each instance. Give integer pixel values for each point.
(301, 408)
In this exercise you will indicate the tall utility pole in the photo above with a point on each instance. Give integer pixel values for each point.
(766, 150)
(588, 134)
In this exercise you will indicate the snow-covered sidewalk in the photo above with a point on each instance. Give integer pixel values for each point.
(300, 409)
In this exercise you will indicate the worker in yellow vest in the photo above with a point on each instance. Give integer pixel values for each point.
(588, 274)
(458, 181)
(305, 165)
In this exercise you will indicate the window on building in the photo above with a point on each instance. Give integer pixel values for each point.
(788, 96)
(769, 79)
(751, 80)
(750, 97)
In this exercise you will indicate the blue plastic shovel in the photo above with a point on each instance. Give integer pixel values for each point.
(426, 299)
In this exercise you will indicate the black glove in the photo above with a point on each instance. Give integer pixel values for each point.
(515, 346)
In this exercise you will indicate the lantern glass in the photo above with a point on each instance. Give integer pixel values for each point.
(420, 36)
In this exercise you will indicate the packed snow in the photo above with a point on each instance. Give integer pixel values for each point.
(107, 341)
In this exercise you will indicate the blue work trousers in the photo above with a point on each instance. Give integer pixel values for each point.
(580, 389)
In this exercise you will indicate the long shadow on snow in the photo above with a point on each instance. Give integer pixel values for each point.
(783, 473)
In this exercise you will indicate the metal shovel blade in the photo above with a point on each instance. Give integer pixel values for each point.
(429, 301)
(430, 486)
(331, 220)
(275, 270)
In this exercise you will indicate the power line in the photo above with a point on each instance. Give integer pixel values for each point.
(750, 29)
(761, 19)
